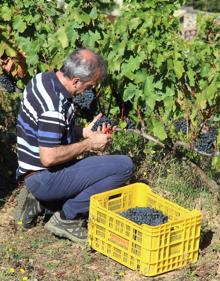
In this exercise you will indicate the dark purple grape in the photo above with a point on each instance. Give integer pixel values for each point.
(181, 126)
(145, 215)
(7, 83)
(129, 124)
(102, 120)
(205, 141)
(84, 100)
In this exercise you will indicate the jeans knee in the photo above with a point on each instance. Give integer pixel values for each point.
(128, 165)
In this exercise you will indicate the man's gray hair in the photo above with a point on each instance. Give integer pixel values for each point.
(77, 65)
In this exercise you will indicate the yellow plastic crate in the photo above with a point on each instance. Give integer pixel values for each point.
(151, 250)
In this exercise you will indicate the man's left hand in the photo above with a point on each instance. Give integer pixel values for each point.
(87, 131)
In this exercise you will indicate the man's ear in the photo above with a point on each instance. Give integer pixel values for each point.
(75, 80)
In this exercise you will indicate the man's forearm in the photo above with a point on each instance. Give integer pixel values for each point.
(51, 156)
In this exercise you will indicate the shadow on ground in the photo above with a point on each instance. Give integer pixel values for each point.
(206, 239)
(8, 166)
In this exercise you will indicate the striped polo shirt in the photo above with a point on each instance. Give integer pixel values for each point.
(45, 118)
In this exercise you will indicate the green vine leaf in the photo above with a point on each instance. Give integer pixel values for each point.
(158, 130)
(149, 92)
(19, 24)
(6, 13)
(191, 76)
(4, 47)
(211, 91)
(93, 14)
(62, 37)
(178, 68)
(201, 101)
(129, 92)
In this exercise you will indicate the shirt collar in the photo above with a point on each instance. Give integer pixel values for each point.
(60, 87)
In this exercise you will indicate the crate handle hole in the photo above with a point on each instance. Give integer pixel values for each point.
(115, 196)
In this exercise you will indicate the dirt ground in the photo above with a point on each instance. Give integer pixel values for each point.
(36, 255)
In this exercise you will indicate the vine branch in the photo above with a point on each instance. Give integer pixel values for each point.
(213, 186)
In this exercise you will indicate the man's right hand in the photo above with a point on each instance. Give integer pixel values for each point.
(99, 140)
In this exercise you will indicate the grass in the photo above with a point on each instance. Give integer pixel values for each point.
(178, 182)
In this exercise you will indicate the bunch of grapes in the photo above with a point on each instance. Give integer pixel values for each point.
(102, 120)
(129, 124)
(205, 141)
(142, 215)
(6, 83)
(181, 126)
(84, 100)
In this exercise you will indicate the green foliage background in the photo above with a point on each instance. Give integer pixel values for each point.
(155, 76)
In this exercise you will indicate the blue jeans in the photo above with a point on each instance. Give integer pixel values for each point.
(75, 183)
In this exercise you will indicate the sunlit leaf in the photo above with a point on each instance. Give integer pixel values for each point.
(129, 92)
(62, 37)
(159, 130)
(19, 24)
(178, 68)
(6, 13)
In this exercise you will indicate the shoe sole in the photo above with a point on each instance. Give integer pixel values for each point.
(21, 201)
(56, 231)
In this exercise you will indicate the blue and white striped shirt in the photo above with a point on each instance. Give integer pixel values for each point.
(45, 118)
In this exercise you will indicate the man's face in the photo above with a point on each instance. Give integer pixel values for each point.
(80, 86)
(83, 86)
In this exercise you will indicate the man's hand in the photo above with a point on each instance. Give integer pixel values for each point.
(99, 140)
(87, 132)
(105, 128)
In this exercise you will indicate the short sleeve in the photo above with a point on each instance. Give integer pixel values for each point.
(51, 127)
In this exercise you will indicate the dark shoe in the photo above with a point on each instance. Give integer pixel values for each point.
(74, 230)
(28, 210)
